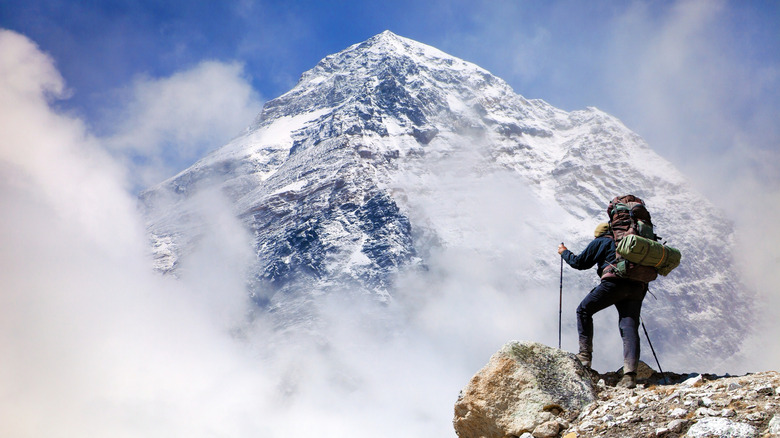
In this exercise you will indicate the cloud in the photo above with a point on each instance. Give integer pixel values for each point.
(671, 73)
(683, 79)
(162, 125)
(54, 153)
(93, 341)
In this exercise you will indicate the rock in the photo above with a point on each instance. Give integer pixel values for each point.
(677, 426)
(691, 405)
(706, 412)
(774, 426)
(721, 427)
(643, 371)
(734, 386)
(697, 379)
(548, 429)
(518, 390)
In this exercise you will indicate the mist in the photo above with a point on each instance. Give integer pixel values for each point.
(686, 81)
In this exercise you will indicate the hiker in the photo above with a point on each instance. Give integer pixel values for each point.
(626, 295)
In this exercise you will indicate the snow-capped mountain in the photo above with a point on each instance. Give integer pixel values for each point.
(363, 170)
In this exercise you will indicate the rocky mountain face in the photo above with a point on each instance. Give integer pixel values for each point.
(338, 181)
(528, 390)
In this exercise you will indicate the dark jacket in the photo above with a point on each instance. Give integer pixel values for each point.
(601, 252)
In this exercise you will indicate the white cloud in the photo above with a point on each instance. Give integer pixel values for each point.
(163, 124)
(52, 152)
(671, 74)
(94, 343)
(682, 79)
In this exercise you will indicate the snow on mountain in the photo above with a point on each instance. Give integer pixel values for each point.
(370, 164)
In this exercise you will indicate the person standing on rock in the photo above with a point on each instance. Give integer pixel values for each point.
(625, 295)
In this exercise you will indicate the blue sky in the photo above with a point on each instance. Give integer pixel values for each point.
(550, 50)
(676, 72)
(660, 66)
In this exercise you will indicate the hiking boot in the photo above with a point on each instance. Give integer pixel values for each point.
(628, 381)
(585, 358)
(585, 354)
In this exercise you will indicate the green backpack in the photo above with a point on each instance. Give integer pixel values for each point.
(639, 256)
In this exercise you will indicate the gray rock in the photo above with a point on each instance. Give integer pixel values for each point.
(734, 386)
(706, 412)
(677, 426)
(548, 429)
(519, 388)
(712, 410)
(693, 380)
(774, 426)
(721, 427)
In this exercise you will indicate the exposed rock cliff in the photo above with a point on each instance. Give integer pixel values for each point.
(530, 390)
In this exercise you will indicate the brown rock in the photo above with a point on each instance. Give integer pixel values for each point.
(523, 385)
(548, 429)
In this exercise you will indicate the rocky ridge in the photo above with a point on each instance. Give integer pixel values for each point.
(669, 405)
(690, 405)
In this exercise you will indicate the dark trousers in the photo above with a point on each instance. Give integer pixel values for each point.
(627, 297)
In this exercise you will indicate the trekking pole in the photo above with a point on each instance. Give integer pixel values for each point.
(653, 350)
(560, 305)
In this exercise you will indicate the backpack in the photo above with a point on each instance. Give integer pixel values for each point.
(639, 256)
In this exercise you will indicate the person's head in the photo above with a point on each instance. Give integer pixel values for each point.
(601, 229)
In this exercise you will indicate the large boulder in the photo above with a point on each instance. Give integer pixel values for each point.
(526, 387)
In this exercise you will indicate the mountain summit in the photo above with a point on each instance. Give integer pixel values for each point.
(391, 151)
